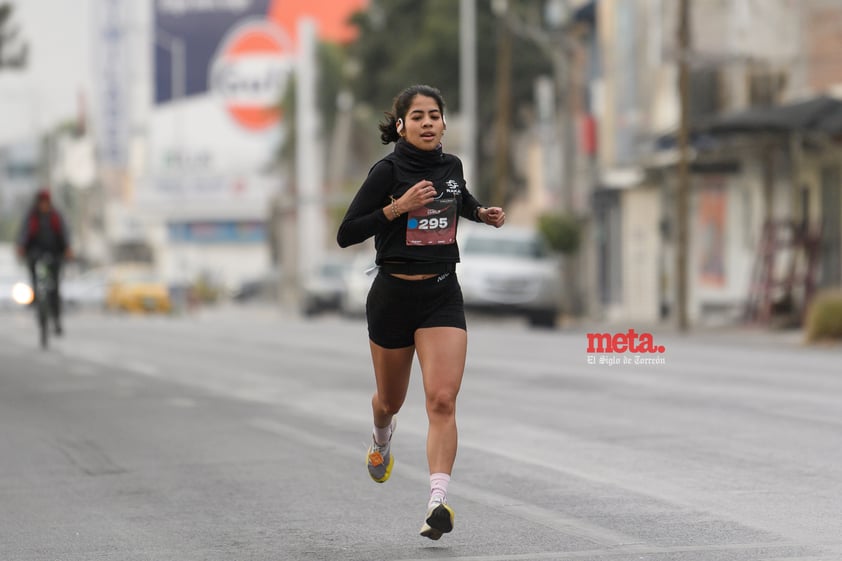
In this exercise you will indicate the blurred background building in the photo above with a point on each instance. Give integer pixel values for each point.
(760, 101)
(223, 139)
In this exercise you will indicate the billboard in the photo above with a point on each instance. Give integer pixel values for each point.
(242, 51)
(220, 70)
(186, 38)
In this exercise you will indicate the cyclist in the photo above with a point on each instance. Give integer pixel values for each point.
(43, 232)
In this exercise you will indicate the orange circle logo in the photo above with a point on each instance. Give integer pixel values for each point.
(250, 72)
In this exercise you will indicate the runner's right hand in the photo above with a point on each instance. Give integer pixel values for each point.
(420, 194)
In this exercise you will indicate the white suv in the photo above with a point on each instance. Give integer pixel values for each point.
(509, 270)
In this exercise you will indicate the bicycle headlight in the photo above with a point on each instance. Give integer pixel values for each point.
(22, 294)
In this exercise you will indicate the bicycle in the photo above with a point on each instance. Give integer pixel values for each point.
(41, 295)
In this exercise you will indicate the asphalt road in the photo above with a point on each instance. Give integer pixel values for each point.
(240, 435)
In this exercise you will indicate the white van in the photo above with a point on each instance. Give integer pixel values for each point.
(509, 270)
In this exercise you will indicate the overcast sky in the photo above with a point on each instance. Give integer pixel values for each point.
(59, 33)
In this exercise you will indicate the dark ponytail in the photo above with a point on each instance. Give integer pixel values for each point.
(389, 129)
(400, 105)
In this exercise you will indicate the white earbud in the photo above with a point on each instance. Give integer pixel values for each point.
(400, 126)
(443, 120)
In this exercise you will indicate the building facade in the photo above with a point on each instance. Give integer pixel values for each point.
(744, 55)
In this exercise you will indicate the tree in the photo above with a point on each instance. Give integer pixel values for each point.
(404, 42)
(563, 231)
(13, 53)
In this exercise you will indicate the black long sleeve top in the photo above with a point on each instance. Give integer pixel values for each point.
(390, 178)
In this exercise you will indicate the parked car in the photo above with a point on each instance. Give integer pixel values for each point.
(509, 270)
(323, 288)
(86, 290)
(262, 288)
(358, 278)
(137, 291)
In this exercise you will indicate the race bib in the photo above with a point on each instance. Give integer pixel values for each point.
(434, 224)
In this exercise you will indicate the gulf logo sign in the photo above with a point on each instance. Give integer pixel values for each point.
(250, 71)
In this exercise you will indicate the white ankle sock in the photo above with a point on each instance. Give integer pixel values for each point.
(438, 486)
(382, 434)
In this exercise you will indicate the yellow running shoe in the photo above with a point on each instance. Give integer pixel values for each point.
(379, 459)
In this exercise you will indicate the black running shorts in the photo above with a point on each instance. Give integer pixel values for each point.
(395, 307)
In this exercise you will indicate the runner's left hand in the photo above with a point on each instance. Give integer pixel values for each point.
(493, 216)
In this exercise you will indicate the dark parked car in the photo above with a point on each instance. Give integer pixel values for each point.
(323, 289)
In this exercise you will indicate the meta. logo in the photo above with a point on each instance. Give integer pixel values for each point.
(632, 342)
(250, 72)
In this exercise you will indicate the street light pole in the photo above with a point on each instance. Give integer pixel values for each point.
(468, 85)
(178, 62)
(310, 218)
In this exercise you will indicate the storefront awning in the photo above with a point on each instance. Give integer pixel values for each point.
(823, 114)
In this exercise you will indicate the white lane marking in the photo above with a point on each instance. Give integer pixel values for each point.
(552, 519)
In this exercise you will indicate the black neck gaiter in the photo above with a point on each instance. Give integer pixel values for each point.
(413, 164)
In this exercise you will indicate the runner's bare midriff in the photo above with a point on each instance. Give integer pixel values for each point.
(413, 277)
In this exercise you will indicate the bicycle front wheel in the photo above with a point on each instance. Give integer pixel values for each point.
(43, 322)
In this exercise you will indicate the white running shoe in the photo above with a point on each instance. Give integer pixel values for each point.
(439, 520)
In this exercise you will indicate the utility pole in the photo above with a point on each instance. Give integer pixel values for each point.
(683, 187)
